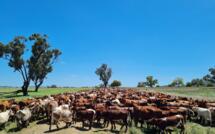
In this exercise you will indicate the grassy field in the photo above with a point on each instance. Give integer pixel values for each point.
(191, 128)
(207, 93)
(7, 93)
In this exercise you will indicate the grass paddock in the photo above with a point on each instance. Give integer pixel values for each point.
(7, 93)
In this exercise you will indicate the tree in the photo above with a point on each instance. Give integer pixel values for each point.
(150, 81)
(210, 78)
(42, 59)
(141, 84)
(16, 53)
(104, 74)
(52, 86)
(13, 52)
(196, 82)
(178, 82)
(116, 83)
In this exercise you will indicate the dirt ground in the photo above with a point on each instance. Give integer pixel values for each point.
(73, 129)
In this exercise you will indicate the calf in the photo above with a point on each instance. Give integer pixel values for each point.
(4, 117)
(203, 113)
(171, 121)
(50, 107)
(85, 115)
(61, 113)
(23, 117)
(115, 115)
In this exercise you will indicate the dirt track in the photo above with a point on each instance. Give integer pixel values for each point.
(74, 129)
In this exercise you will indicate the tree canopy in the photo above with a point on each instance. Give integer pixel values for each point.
(196, 82)
(116, 83)
(178, 82)
(211, 76)
(104, 73)
(34, 67)
(150, 81)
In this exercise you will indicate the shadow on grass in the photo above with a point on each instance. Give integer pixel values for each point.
(44, 121)
(12, 96)
(16, 129)
(149, 130)
(107, 130)
(54, 130)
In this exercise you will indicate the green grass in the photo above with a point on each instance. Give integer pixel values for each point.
(194, 92)
(6, 93)
(190, 128)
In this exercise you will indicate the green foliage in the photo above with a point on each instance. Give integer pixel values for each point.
(210, 78)
(52, 86)
(37, 65)
(2, 47)
(150, 81)
(116, 83)
(141, 84)
(196, 82)
(42, 59)
(104, 73)
(14, 53)
(178, 82)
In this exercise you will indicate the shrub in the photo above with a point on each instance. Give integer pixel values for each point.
(116, 83)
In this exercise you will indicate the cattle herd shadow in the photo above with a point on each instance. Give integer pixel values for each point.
(54, 130)
(14, 130)
(43, 121)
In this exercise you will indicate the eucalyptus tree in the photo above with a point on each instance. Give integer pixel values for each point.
(42, 59)
(210, 78)
(31, 66)
(178, 82)
(104, 73)
(150, 81)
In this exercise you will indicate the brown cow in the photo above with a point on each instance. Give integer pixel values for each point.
(166, 122)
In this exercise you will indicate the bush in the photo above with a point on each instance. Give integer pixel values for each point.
(178, 82)
(210, 85)
(196, 82)
(116, 83)
(141, 84)
(52, 86)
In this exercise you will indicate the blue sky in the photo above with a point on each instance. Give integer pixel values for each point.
(166, 39)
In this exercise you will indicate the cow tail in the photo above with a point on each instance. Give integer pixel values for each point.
(129, 118)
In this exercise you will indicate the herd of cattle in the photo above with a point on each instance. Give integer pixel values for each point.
(123, 106)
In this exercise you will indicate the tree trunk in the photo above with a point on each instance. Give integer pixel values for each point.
(37, 86)
(105, 84)
(25, 88)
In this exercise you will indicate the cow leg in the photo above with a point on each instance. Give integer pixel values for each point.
(114, 124)
(90, 124)
(50, 127)
(57, 125)
(135, 122)
(107, 123)
(98, 120)
(27, 123)
(141, 124)
(111, 122)
(68, 124)
(82, 123)
(126, 125)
